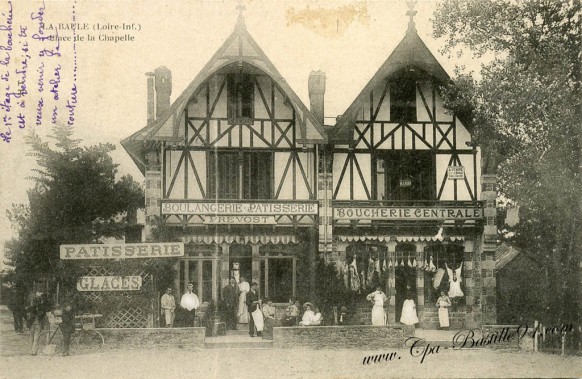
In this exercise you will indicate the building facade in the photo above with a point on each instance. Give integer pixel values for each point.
(255, 185)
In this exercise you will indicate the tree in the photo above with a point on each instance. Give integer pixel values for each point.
(76, 199)
(526, 110)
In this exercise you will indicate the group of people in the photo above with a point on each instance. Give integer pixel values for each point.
(408, 315)
(188, 304)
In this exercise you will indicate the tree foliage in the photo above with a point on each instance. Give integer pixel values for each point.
(526, 112)
(76, 199)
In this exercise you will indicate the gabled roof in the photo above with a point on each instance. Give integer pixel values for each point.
(238, 47)
(410, 52)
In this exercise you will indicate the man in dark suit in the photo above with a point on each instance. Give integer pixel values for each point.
(252, 304)
(230, 298)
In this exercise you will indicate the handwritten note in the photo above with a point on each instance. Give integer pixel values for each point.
(38, 62)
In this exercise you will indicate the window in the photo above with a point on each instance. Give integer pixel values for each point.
(403, 100)
(240, 88)
(199, 273)
(405, 175)
(240, 175)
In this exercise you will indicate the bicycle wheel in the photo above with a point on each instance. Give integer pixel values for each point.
(89, 341)
(50, 342)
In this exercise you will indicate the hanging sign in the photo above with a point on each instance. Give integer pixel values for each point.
(456, 172)
(122, 250)
(109, 283)
(405, 183)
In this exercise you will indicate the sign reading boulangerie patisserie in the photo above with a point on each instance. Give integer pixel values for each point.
(254, 208)
(122, 250)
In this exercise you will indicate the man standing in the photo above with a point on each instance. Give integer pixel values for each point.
(189, 303)
(230, 298)
(252, 304)
(168, 307)
(67, 327)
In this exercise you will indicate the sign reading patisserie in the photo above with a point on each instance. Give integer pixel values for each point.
(122, 250)
(406, 213)
(249, 209)
(109, 283)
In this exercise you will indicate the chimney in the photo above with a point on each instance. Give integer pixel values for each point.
(151, 95)
(316, 86)
(163, 83)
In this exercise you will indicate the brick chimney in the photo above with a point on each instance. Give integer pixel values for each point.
(163, 84)
(151, 97)
(316, 86)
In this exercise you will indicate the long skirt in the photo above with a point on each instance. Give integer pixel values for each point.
(378, 315)
(444, 317)
(243, 312)
(409, 316)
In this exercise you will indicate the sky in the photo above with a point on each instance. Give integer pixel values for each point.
(348, 40)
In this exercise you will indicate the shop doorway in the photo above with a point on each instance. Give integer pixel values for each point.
(405, 276)
(241, 262)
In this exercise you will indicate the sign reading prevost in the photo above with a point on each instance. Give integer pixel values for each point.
(123, 250)
(406, 213)
(242, 219)
(456, 172)
(109, 283)
(249, 209)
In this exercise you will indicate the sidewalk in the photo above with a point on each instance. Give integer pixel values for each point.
(12, 343)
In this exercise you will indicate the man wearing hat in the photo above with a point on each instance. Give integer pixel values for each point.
(168, 307)
(252, 304)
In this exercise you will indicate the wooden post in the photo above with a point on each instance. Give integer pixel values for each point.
(535, 336)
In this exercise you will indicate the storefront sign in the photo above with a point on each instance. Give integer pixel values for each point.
(109, 283)
(122, 250)
(456, 172)
(240, 220)
(406, 213)
(247, 209)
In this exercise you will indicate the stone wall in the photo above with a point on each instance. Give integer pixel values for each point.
(430, 318)
(153, 338)
(342, 337)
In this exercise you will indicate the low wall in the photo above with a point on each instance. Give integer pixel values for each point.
(342, 337)
(153, 338)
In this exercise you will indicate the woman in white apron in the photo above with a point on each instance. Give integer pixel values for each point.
(378, 298)
(243, 313)
(443, 303)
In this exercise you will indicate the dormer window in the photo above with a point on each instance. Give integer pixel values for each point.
(403, 100)
(240, 89)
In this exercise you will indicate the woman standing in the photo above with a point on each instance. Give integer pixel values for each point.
(443, 303)
(377, 298)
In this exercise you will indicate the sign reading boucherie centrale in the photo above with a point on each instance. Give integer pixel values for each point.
(109, 283)
(250, 209)
(123, 250)
(406, 213)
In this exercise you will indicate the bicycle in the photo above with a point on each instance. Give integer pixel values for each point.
(86, 338)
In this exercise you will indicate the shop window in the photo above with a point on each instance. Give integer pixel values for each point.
(229, 172)
(199, 273)
(240, 88)
(277, 279)
(406, 175)
(403, 100)
(370, 261)
(436, 278)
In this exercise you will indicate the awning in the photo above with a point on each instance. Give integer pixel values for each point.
(218, 239)
(399, 238)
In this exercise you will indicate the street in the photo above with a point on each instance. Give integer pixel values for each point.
(274, 363)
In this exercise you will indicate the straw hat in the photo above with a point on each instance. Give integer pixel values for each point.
(310, 304)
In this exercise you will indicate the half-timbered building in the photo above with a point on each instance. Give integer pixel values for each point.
(231, 167)
(243, 173)
(407, 192)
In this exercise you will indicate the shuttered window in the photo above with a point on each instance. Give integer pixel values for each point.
(240, 175)
(240, 88)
